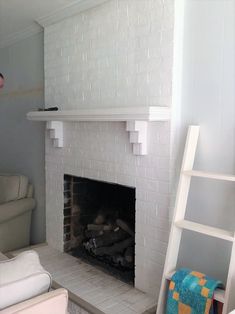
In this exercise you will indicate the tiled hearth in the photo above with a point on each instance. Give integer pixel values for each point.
(90, 290)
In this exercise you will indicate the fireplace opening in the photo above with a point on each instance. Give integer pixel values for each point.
(99, 225)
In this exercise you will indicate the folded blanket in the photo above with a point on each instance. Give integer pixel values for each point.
(191, 292)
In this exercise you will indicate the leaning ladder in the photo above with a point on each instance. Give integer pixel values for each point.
(227, 296)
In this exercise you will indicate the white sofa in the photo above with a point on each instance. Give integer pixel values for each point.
(16, 205)
(22, 278)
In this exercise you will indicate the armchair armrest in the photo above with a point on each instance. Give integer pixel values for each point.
(49, 303)
(13, 209)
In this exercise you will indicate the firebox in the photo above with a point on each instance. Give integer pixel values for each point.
(99, 225)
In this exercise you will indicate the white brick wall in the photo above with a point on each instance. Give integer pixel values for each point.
(102, 151)
(119, 53)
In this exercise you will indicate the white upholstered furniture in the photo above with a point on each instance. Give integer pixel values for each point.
(54, 302)
(22, 278)
(16, 205)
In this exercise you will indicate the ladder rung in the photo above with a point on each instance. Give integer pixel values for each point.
(219, 293)
(209, 175)
(207, 230)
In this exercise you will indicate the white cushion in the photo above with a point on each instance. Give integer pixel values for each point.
(13, 187)
(22, 278)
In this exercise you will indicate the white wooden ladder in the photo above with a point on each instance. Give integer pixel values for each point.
(227, 297)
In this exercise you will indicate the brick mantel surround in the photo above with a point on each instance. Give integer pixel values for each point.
(117, 54)
(91, 153)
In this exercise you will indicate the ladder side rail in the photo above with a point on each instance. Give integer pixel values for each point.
(229, 303)
(187, 164)
(179, 213)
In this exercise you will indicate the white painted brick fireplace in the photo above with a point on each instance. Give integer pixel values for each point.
(117, 54)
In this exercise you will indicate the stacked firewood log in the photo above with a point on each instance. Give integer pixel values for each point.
(111, 242)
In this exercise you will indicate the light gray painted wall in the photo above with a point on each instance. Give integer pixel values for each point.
(208, 80)
(22, 141)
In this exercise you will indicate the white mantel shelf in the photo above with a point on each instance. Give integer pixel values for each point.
(136, 119)
(104, 114)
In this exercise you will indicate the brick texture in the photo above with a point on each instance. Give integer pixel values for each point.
(117, 54)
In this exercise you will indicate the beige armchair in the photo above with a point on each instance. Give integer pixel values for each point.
(16, 205)
(54, 302)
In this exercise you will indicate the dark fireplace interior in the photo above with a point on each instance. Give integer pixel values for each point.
(99, 225)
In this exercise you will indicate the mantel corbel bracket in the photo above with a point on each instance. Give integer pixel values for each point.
(56, 132)
(137, 134)
(138, 131)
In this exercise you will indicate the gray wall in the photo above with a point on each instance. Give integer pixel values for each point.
(208, 80)
(22, 141)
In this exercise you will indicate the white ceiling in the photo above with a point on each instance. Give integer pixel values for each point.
(19, 16)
